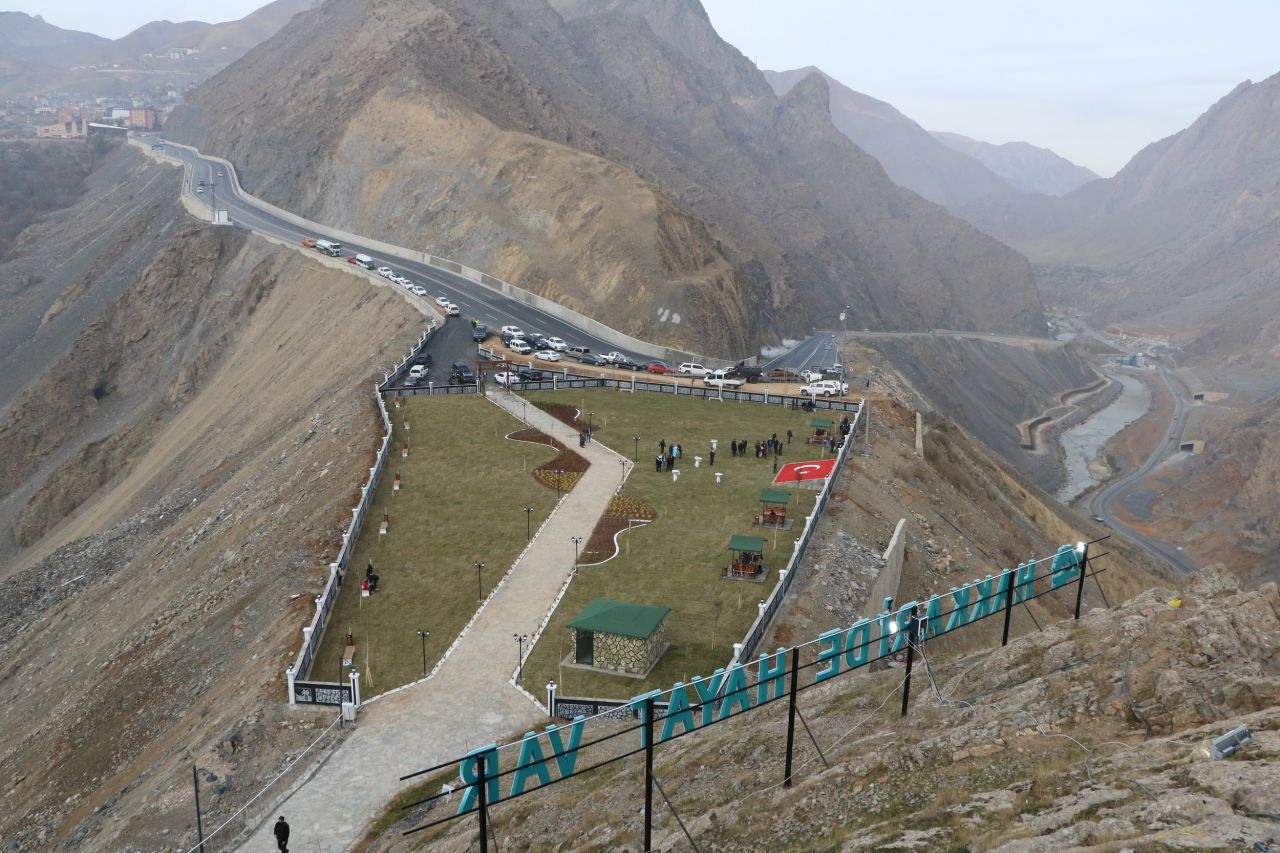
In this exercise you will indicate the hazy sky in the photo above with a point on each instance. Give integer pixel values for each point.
(1094, 80)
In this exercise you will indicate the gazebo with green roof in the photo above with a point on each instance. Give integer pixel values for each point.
(821, 430)
(773, 508)
(747, 560)
(619, 637)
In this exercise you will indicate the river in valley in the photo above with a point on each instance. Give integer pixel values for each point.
(1081, 442)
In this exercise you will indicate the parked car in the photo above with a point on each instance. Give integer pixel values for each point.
(200, 188)
(452, 310)
(578, 352)
(557, 344)
(442, 301)
(411, 382)
(611, 357)
(529, 374)
(811, 374)
(658, 368)
(460, 374)
(418, 371)
(691, 368)
(308, 243)
(420, 291)
(385, 272)
(547, 355)
(403, 281)
(351, 259)
(479, 332)
(592, 360)
(512, 331)
(520, 346)
(721, 379)
(505, 378)
(825, 388)
(625, 363)
(537, 340)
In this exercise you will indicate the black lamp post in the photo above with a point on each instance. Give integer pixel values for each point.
(423, 635)
(577, 540)
(636, 456)
(479, 590)
(528, 523)
(195, 782)
(520, 639)
(590, 423)
(559, 473)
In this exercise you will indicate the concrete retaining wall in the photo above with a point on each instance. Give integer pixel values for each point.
(886, 585)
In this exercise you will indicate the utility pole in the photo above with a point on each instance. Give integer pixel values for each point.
(866, 426)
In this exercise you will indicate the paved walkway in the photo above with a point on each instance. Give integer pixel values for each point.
(470, 701)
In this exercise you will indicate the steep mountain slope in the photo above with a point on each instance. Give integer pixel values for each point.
(219, 44)
(1026, 167)
(908, 153)
(519, 140)
(185, 472)
(28, 39)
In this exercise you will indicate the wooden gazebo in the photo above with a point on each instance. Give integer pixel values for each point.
(773, 508)
(747, 558)
(821, 430)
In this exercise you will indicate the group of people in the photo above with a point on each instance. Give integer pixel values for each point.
(771, 446)
(370, 584)
(584, 436)
(669, 454)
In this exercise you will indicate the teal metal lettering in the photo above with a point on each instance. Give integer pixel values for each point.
(770, 675)
(566, 756)
(933, 618)
(736, 692)
(982, 606)
(1066, 565)
(960, 609)
(829, 653)
(530, 763)
(904, 626)
(468, 769)
(641, 707)
(1026, 583)
(707, 689)
(886, 636)
(678, 712)
(857, 644)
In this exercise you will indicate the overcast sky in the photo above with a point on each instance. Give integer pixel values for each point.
(1095, 80)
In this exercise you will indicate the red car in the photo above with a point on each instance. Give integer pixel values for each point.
(351, 259)
(658, 367)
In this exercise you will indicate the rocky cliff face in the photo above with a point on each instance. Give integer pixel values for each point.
(692, 185)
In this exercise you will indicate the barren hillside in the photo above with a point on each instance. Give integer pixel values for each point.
(620, 158)
(171, 541)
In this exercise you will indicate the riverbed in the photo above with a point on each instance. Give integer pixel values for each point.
(1082, 442)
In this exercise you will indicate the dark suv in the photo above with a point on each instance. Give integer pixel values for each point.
(460, 374)
(479, 332)
(529, 374)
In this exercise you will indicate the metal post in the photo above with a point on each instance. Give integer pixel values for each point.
(1008, 606)
(910, 628)
(195, 783)
(528, 523)
(648, 774)
(1083, 549)
(791, 713)
(484, 806)
(866, 427)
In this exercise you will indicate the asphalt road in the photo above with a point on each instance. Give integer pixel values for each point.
(1103, 503)
(475, 300)
(819, 349)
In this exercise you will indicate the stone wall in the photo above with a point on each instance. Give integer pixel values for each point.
(627, 654)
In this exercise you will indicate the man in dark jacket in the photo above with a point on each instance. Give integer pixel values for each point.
(282, 835)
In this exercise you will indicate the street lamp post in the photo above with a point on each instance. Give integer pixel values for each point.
(528, 523)
(590, 424)
(520, 639)
(423, 636)
(635, 457)
(479, 589)
(577, 540)
(559, 473)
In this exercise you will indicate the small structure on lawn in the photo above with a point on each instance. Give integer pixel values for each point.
(821, 430)
(773, 508)
(619, 637)
(747, 561)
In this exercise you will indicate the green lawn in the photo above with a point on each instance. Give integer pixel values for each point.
(463, 492)
(676, 561)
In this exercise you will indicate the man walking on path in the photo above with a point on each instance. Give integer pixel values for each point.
(282, 835)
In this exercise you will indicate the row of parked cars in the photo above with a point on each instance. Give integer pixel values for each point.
(450, 309)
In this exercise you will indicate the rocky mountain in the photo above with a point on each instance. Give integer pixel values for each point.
(910, 155)
(220, 43)
(30, 40)
(618, 157)
(1024, 166)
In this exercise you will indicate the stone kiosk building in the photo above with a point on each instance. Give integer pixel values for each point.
(618, 637)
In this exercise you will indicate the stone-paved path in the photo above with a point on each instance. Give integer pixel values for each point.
(470, 701)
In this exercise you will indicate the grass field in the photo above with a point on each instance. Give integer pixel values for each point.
(462, 498)
(675, 562)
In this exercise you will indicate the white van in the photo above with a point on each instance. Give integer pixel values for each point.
(365, 261)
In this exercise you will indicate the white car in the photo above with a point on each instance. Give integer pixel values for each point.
(442, 301)
(811, 375)
(520, 346)
(402, 281)
(505, 378)
(547, 355)
(452, 310)
(418, 371)
(690, 368)
(825, 388)
(557, 344)
(513, 331)
(613, 357)
(420, 291)
(386, 272)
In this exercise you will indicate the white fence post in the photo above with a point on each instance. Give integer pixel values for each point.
(288, 675)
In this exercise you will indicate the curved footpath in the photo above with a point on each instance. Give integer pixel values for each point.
(470, 701)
